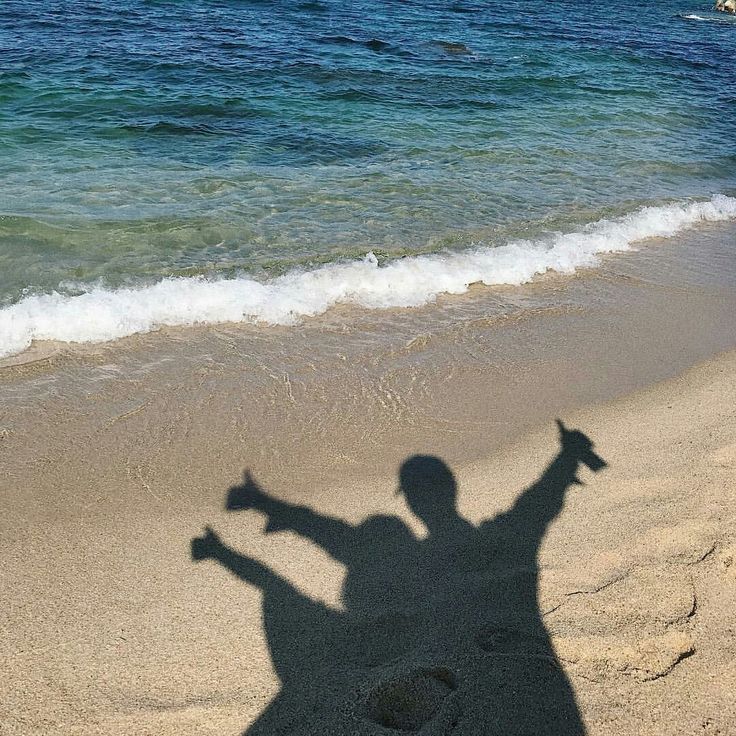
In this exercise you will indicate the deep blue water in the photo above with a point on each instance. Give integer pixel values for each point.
(148, 138)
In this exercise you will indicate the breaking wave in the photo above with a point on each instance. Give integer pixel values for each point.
(708, 19)
(100, 314)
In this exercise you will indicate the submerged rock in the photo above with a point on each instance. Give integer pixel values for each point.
(453, 47)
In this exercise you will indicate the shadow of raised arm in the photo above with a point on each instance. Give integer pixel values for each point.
(292, 622)
(333, 535)
(210, 547)
(541, 502)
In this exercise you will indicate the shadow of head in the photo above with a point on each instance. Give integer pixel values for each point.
(579, 447)
(429, 488)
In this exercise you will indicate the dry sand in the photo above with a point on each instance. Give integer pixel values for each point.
(541, 606)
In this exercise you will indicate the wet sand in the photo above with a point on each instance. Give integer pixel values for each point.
(418, 545)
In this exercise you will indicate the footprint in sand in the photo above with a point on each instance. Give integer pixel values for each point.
(502, 640)
(726, 456)
(727, 558)
(407, 703)
(635, 627)
(599, 658)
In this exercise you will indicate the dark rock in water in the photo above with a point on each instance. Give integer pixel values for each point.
(312, 5)
(452, 47)
(339, 40)
(375, 44)
(457, 8)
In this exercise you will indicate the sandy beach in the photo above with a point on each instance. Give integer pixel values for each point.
(226, 532)
(367, 369)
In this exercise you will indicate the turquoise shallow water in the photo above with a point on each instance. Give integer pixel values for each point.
(150, 138)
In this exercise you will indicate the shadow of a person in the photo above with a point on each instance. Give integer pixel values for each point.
(457, 609)
(302, 636)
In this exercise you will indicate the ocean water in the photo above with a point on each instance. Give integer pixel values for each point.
(168, 162)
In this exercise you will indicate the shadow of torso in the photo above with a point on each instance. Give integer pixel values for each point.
(467, 603)
(460, 604)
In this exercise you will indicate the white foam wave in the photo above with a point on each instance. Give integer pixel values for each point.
(712, 19)
(100, 314)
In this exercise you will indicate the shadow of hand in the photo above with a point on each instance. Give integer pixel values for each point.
(244, 496)
(580, 447)
(206, 546)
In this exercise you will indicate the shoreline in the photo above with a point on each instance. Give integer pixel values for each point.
(115, 459)
(462, 376)
(98, 314)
